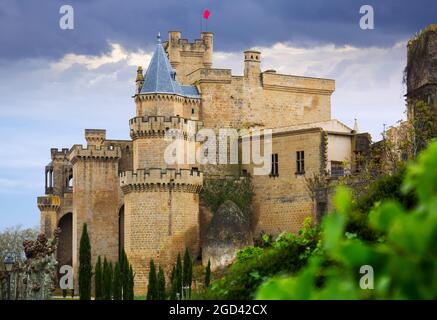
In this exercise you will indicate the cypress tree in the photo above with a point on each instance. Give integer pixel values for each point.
(152, 286)
(131, 283)
(85, 268)
(178, 277)
(98, 280)
(124, 269)
(173, 284)
(107, 280)
(208, 274)
(116, 285)
(161, 284)
(187, 274)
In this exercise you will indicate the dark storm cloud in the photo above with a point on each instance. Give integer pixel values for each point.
(30, 28)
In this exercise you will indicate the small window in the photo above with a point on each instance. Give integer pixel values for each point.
(111, 147)
(300, 162)
(192, 111)
(275, 166)
(337, 169)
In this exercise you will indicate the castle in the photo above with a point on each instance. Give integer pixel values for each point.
(131, 198)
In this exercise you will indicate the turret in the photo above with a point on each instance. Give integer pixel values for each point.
(95, 137)
(252, 64)
(139, 81)
(207, 38)
(186, 57)
(173, 48)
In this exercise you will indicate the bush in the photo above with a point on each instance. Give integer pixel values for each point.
(254, 265)
(216, 191)
(387, 187)
(404, 260)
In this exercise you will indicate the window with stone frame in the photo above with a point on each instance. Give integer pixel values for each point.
(275, 165)
(300, 162)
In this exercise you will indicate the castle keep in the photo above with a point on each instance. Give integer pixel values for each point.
(131, 198)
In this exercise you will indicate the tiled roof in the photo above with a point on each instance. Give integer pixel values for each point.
(161, 78)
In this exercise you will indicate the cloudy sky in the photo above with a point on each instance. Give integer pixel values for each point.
(54, 82)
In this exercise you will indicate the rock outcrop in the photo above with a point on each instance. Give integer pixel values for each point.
(228, 232)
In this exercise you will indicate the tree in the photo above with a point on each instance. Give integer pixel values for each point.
(116, 285)
(153, 284)
(187, 273)
(11, 242)
(172, 282)
(208, 274)
(85, 268)
(98, 280)
(131, 295)
(107, 280)
(124, 270)
(177, 281)
(161, 284)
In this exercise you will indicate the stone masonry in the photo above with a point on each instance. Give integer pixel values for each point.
(132, 199)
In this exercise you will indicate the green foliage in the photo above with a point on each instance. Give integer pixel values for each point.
(173, 286)
(107, 280)
(404, 260)
(117, 282)
(161, 285)
(287, 254)
(152, 287)
(216, 191)
(124, 271)
(98, 280)
(187, 272)
(178, 277)
(424, 126)
(208, 274)
(85, 267)
(131, 294)
(386, 187)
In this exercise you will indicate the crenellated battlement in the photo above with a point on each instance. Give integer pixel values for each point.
(182, 180)
(94, 152)
(59, 155)
(49, 202)
(157, 126)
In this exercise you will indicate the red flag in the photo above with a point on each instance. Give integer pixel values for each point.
(206, 14)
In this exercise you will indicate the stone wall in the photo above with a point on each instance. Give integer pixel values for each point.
(161, 218)
(282, 203)
(96, 193)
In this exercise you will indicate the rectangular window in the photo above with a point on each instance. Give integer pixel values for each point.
(300, 162)
(275, 167)
(337, 169)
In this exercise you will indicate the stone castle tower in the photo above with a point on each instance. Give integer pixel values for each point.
(421, 71)
(133, 198)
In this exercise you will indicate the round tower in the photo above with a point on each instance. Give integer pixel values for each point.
(49, 206)
(252, 64)
(161, 198)
(207, 38)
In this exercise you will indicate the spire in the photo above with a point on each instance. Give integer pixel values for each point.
(356, 126)
(160, 76)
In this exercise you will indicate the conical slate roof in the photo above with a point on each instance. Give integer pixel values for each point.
(161, 78)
